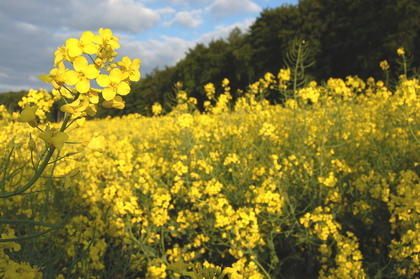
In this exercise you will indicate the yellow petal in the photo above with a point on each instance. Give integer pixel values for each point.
(87, 37)
(91, 72)
(46, 136)
(108, 93)
(135, 75)
(45, 78)
(83, 85)
(90, 48)
(80, 63)
(103, 80)
(59, 139)
(135, 64)
(71, 77)
(115, 75)
(96, 143)
(80, 121)
(72, 45)
(28, 114)
(91, 110)
(127, 61)
(123, 88)
(67, 108)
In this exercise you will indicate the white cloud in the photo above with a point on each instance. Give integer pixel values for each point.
(187, 2)
(188, 19)
(169, 50)
(118, 15)
(26, 27)
(31, 30)
(156, 53)
(223, 31)
(222, 8)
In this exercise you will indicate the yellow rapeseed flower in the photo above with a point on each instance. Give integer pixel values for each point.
(400, 51)
(56, 76)
(82, 74)
(28, 115)
(10, 245)
(116, 103)
(77, 47)
(384, 65)
(78, 108)
(156, 109)
(131, 67)
(114, 83)
(95, 143)
(106, 38)
(54, 138)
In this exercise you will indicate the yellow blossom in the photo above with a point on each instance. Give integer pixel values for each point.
(114, 83)
(384, 65)
(132, 67)
(54, 138)
(28, 115)
(76, 47)
(95, 143)
(116, 103)
(82, 74)
(156, 109)
(56, 76)
(106, 38)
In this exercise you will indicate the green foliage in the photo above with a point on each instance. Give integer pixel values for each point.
(345, 38)
(270, 37)
(297, 60)
(11, 99)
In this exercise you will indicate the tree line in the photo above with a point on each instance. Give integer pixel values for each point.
(346, 37)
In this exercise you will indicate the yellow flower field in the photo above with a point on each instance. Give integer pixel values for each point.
(325, 186)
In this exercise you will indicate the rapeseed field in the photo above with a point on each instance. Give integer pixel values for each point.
(325, 185)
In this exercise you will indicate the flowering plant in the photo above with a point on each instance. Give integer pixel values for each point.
(78, 65)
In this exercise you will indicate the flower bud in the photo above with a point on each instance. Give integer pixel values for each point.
(400, 51)
(32, 145)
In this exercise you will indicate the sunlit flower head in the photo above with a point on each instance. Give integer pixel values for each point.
(29, 115)
(81, 75)
(77, 47)
(76, 108)
(400, 51)
(384, 65)
(107, 40)
(114, 83)
(56, 76)
(116, 103)
(54, 138)
(95, 143)
(131, 67)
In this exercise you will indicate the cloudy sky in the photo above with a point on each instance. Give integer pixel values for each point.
(158, 32)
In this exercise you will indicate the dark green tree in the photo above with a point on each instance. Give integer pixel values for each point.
(270, 37)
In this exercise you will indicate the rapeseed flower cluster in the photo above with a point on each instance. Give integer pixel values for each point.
(76, 82)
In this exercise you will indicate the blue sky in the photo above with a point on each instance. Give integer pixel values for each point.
(157, 32)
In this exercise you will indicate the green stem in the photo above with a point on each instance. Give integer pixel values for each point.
(296, 72)
(262, 268)
(27, 221)
(405, 66)
(34, 178)
(40, 170)
(5, 168)
(27, 237)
